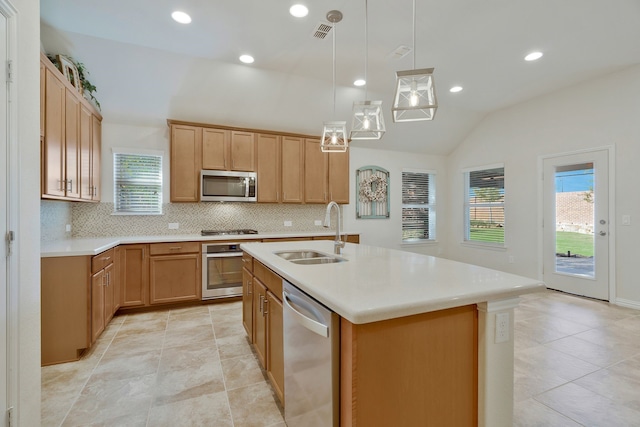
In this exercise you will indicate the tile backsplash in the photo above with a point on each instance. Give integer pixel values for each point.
(97, 219)
(54, 217)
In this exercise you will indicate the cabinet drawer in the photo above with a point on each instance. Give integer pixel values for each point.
(174, 248)
(100, 261)
(247, 261)
(272, 281)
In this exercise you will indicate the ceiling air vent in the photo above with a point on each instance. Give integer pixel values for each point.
(400, 52)
(321, 31)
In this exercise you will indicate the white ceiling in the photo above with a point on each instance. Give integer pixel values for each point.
(148, 68)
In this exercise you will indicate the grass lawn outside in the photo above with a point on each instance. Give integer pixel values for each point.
(578, 243)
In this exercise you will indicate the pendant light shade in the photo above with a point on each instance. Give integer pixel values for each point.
(415, 96)
(334, 133)
(334, 137)
(368, 121)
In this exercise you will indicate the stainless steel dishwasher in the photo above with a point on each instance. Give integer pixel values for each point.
(311, 361)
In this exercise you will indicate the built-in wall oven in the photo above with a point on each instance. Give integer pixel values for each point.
(222, 266)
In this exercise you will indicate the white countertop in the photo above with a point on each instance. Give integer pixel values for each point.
(94, 246)
(378, 284)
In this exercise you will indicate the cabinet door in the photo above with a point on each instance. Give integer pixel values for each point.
(247, 302)
(97, 304)
(268, 168)
(339, 177)
(243, 151)
(72, 144)
(174, 278)
(215, 148)
(96, 158)
(115, 282)
(260, 321)
(186, 163)
(53, 175)
(86, 185)
(109, 273)
(275, 345)
(292, 169)
(315, 172)
(134, 275)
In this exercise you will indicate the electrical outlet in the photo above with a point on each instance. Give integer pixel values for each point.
(317, 222)
(288, 223)
(626, 219)
(174, 225)
(512, 259)
(502, 327)
(67, 227)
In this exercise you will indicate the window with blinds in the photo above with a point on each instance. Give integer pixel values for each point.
(418, 206)
(484, 206)
(137, 183)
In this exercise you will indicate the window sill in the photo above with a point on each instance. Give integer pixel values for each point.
(419, 243)
(488, 246)
(136, 214)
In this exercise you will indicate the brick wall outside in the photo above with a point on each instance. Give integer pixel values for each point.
(574, 213)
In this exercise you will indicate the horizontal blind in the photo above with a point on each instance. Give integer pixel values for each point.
(137, 183)
(485, 206)
(416, 206)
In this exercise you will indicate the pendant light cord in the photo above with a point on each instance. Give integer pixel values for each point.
(414, 34)
(334, 69)
(366, 47)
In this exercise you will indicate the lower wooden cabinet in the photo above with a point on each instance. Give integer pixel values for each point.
(174, 278)
(247, 302)
(97, 304)
(266, 308)
(134, 275)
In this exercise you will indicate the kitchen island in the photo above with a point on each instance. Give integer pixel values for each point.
(418, 342)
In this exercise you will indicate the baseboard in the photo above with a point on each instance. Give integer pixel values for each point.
(628, 303)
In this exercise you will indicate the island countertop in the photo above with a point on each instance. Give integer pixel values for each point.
(375, 283)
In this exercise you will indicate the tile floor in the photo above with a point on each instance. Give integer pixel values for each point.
(577, 362)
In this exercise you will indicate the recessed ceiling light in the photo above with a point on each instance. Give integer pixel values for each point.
(247, 59)
(299, 10)
(533, 56)
(359, 82)
(455, 89)
(181, 17)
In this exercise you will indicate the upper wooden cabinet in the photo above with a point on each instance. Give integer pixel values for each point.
(326, 176)
(185, 163)
(269, 187)
(70, 139)
(290, 168)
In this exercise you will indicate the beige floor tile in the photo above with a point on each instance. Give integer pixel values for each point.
(234, 346)
(144, 316)
(593, 353)
(228, 329)
(211, 410)
(545, 362)
(124, 367)
(187, 356)
(254, 406)
(142, 327)
(55, 406)
(127, 345)
(241, 372)
(530, 413)
(615, 385)
(189, 322)
(226, 305)
(588, 408)
(110, 401)
(547, 328)
(528, 383)
(197, 335)
(190, 311)
(232, 313)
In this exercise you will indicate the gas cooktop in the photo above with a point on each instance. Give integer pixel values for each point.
(225, 232)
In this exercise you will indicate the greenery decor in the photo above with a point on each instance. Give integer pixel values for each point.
(88, 87)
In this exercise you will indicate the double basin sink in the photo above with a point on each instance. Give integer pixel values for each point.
(308, 257)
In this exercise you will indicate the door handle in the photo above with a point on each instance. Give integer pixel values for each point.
(603, 233)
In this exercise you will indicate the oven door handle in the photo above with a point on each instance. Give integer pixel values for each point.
(224, 255)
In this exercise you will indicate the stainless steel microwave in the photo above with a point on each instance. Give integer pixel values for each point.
(226, 186)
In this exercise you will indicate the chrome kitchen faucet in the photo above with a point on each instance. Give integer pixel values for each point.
(337, 244)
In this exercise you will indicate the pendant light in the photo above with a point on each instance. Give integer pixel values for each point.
(334, 133)
(415, 97)
(368, 122)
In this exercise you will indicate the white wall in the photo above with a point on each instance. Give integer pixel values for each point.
(598, 113)
(28, 235)
(388, 232)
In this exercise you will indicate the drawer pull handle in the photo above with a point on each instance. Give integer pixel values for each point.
(175, 248)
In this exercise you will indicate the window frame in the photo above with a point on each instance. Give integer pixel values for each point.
(138, 152)
(431, 205)
(467, 208)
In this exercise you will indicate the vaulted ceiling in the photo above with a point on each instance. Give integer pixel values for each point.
(148, 68)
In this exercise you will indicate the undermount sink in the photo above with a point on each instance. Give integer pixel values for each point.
(308, 257)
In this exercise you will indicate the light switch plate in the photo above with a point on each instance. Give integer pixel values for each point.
(288, 223)
(317, 222)
(174, 225)
(626, 219)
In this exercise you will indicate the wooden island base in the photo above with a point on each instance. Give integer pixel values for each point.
(419, 370)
